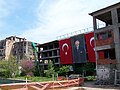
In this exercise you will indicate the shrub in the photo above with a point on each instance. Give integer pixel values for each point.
(90, 78)
(27, 67)
(63, 70)
(9, 68)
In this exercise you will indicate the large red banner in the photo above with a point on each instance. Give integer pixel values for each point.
(90, 47)
(65, 51)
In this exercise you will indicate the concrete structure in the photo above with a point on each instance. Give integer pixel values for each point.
(107, 42)
(17, 46)
(49, 51)
(23, 50)
(6, 46)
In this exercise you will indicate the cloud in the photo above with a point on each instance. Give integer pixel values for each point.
(6, 8)
(59, 17)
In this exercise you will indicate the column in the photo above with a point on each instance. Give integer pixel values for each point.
(116, 35)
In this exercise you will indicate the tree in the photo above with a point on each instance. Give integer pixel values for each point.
(27, 67)
(9, 68)
(50, 70)
(12, 66)
(3, 68)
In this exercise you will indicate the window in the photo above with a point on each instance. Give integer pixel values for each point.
(104, 35)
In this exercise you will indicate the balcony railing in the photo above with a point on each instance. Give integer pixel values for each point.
(102, 42)
(106, 61)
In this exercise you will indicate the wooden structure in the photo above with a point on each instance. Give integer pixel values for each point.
(42, 85)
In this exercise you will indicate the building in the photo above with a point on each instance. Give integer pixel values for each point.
(23, 50)
(6, 46)
(75, 51)
(107, 42)
(18, 47)
(48, 51)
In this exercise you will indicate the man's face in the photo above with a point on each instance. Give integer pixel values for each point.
(77, 43)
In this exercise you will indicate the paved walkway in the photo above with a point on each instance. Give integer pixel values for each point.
(91, 86)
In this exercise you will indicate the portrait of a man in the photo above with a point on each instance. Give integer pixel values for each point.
(78, 49)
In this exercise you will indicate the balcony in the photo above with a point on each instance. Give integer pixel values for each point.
(103, 42)
(106, 61)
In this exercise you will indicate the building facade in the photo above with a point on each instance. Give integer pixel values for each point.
(18, 47)
(76, 51)
(107, 42)
(6, 46)
(48, 51)
(23, 50)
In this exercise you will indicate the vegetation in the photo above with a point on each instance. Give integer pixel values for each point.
(38, 69)
(87, 69)
(50, 70)
(35, 79)
(63, 70)
(90, 78)
(27, 67)
(8, 68)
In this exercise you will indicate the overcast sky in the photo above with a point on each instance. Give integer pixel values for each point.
(43, 20)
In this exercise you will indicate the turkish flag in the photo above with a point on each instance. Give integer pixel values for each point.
(90, 47)
(65, 51)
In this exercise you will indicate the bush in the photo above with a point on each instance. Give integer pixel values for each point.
(9, 68)
(4, 73)
(63, 70)
(90, 78)
(27, 67)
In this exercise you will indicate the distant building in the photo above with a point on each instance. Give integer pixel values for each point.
(23, 50)
(48, 51)
(6, 46)
(61, 52)
(16, 46)
(107, 42)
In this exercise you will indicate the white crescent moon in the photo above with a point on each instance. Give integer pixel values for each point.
(65, 44)
(91, 39)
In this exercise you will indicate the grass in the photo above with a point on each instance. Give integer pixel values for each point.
(35, 79)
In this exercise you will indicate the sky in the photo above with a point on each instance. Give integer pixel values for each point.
(44, 20)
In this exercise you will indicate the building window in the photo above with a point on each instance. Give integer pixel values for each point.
(104, 35)
(107, 54)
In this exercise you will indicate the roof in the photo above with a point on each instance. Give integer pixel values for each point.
(111, 6)
(15, 37)
(55, 41)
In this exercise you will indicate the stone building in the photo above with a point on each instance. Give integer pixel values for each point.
(23, 50)
(18, 47)
(6, 46)
(107, 42)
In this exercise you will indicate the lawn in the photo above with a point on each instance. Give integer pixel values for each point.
(35, 79)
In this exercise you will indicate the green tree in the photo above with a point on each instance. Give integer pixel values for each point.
(50, 70)
(12, 66)
(9, 68)
(3, 68)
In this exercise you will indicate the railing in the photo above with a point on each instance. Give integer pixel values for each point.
(42, 85)
(106, 61)
(104, 42)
